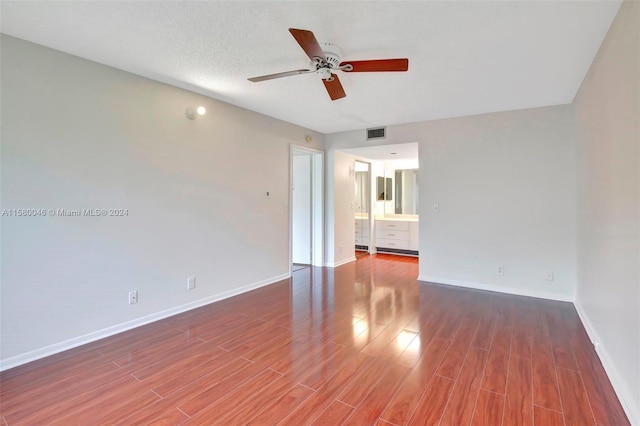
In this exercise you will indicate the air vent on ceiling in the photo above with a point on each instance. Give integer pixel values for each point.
(377, 133)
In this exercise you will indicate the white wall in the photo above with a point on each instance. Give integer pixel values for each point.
(608, 136)
(505, 185)
(76, 134)
(301, 212)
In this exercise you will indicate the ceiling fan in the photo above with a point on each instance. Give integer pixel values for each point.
(326, 60)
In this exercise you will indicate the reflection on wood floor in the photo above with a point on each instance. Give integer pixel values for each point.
(362, 344)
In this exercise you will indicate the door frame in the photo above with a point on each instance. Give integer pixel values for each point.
(317, 203)
(370, 197)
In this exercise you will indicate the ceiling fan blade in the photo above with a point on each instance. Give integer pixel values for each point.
(279, 75)
(308, 42)
(334, 87)
(378, 65)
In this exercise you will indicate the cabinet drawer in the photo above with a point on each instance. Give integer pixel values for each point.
(361, 231)
(396, 244)
(392, 225)
(392, 234)
(362, 241)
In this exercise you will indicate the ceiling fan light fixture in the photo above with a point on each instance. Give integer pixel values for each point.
(325, 74)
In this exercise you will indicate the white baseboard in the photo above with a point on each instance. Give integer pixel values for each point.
(341, 262)
(30, 356)
(496, 288)
(628, 404)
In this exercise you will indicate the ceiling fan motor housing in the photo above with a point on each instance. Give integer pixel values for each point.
(333, 54)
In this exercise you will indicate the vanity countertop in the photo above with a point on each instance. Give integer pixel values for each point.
(399, 218)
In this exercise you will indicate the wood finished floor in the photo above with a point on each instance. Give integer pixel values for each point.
(364, 344)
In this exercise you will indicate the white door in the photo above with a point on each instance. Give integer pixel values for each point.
(301, 218)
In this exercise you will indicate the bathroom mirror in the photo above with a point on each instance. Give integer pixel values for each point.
(384, 189)
(405, 190)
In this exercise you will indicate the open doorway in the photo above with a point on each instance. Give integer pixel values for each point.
(362, 207)
(306, 208)
(393, 220)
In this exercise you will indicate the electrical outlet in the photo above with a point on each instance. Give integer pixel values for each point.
(133, 297)
(500, 270)
(549, 276)
(191, 283)
(436, 207)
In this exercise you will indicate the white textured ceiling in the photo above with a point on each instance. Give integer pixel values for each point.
(464, 57)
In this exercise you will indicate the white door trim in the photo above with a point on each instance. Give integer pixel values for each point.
(317, 203)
